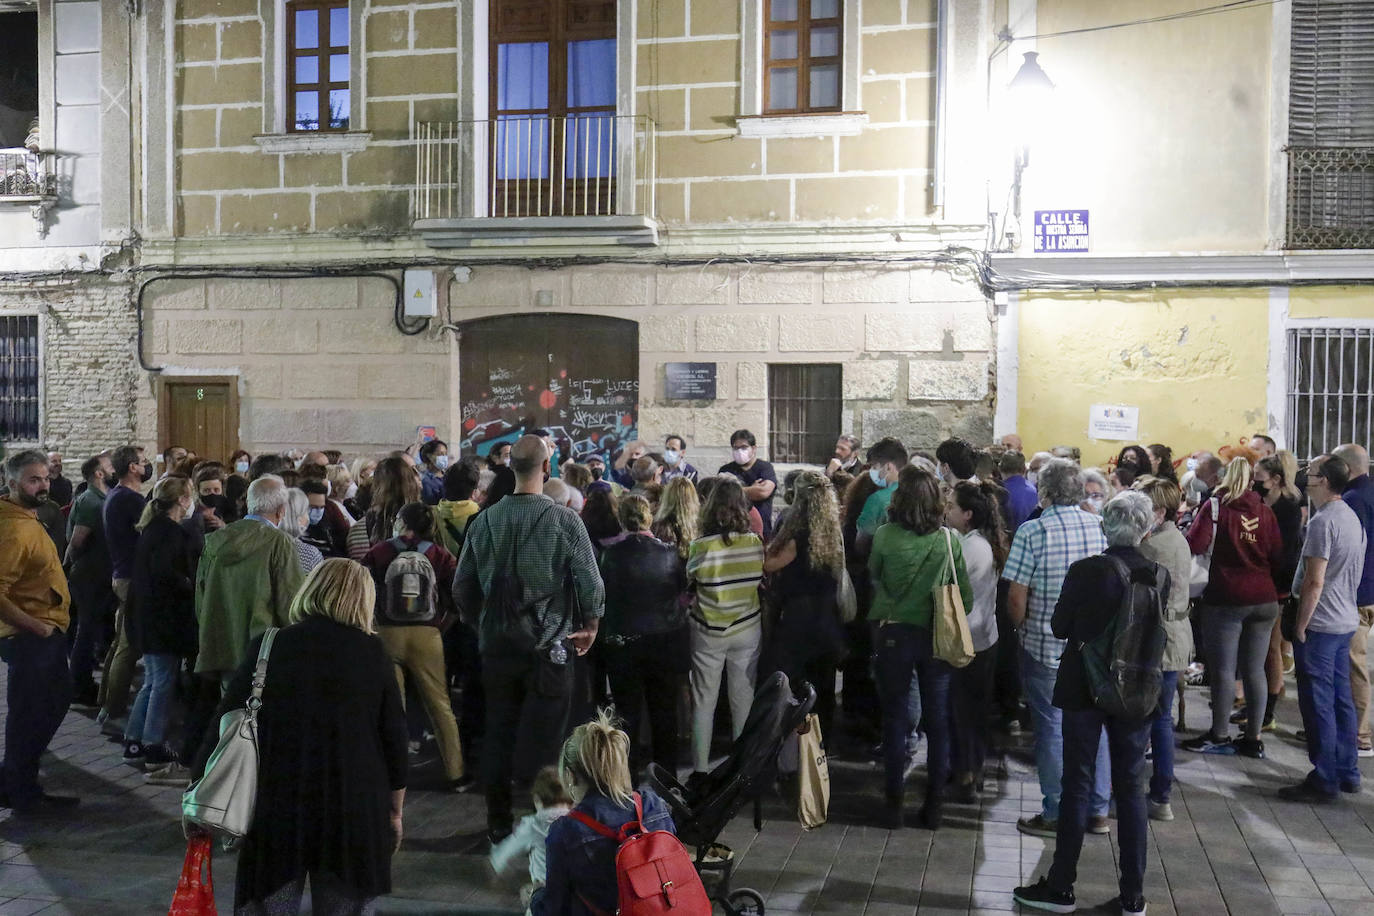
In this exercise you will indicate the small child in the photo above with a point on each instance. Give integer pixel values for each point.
(551, 802)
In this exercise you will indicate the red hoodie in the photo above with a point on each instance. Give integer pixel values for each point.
(1248, 552)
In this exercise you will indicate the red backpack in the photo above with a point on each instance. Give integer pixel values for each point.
(654, 871)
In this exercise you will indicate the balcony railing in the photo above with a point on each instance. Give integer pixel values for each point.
(1330, 197)
(27, 177)
(584, 165)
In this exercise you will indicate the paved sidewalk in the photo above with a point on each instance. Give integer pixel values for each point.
(1233, 848)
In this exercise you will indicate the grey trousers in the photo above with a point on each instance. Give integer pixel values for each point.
(1237, 639)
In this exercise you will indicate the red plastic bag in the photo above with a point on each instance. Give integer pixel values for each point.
(195, 894)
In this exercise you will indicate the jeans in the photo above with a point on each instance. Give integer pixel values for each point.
(904, 650)
(40, 689)
(153, 705)
(1237, 645)
(1083, 731)
(1162, 740)
(971, 701)
(418, 656)
(526, 710)
(1328, 712)
(1037, 682)
(735, 655)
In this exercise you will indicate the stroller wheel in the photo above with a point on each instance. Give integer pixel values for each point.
(744, 902)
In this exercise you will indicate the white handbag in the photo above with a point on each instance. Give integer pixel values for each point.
(1201, 571)
(223, 799)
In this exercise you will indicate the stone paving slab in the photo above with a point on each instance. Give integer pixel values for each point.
(1233, 848)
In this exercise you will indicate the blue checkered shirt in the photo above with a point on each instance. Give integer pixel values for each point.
(1041, 553)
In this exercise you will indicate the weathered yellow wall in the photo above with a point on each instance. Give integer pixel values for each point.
(1160, 130)
(1193, 361)
(1331, 302)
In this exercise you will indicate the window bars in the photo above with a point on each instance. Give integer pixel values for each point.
(19, 378)
(1330, 388)
(804, 404)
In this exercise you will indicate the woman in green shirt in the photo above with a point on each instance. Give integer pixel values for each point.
(910, 558)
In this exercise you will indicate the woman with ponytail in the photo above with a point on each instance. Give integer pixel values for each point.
(595, 767)
(162, 616)
(973, 512)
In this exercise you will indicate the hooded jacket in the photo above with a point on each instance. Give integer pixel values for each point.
(247, 578)
(451, 522)
(1248, 553)
(906, 567)
(30, 571)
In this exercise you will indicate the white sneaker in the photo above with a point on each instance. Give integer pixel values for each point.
(1160, 811)
(173, 774)
(1364, 751)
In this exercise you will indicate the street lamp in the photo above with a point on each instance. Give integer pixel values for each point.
(1029, 93)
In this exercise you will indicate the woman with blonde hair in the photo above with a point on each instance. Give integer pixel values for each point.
(805, 560)
(595, 767)
(675, 522)
(161, 622)
(1274, 483)
(332, 754)
(1239, 604)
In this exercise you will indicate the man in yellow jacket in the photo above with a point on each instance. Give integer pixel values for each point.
(34, 605)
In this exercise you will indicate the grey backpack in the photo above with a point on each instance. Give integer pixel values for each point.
(409, 589)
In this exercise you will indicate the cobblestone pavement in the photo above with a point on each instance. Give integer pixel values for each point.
(1233, 847)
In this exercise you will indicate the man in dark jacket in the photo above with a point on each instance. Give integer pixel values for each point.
(123, 506)
(1092, 585)
(1359, 495)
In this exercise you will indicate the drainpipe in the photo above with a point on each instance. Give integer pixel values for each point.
(937, 175)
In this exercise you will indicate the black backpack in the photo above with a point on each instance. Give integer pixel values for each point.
(1124, 662)
(510, 623)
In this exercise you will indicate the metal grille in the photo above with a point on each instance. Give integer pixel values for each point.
(803, 412)
(1330, 388)
(19, 378)
(1330, 197)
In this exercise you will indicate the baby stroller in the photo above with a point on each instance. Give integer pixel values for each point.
(702, 809)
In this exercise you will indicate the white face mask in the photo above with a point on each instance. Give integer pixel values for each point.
(241, 467)
(671, 457)
(741, 455)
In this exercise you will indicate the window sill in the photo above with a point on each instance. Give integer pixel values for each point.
(314, 142)
(842, 124)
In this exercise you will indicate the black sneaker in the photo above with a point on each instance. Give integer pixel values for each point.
(1306, 793)
(1040, 896)
(1246, 747)
(1207, 743)
(158, 755)
(1134, 907)
(1350, 788)
(1240, 716)
(134, 754)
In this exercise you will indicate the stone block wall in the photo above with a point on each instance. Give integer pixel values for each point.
(319, 361)
(86, 332)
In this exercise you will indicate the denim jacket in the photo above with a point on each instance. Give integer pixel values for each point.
(582, 861)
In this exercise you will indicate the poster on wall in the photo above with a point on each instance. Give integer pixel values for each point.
(1059, 230)
(1114, 421)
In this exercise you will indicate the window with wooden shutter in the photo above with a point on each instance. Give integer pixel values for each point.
(1331, 125)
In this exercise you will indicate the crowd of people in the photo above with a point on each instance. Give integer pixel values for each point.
(500, 604)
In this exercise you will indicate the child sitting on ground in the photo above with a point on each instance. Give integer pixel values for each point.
(551, 802)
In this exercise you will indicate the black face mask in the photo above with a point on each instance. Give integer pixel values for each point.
(147, 474)
(598, 473)
(220, 504)
(111, 481)
(1258, 488)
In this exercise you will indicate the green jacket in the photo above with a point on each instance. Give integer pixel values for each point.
(906, 567)
(248, 576)
(450, 516)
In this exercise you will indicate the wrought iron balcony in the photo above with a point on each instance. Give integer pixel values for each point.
(29, 179)
(520, 177)
(1330, 197)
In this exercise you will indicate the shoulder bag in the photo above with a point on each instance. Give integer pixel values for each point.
(845, 598)
(1201, 571)
(952, 637)
(223, 799)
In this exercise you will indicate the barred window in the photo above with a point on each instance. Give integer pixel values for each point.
(1331, 125)
(1330, 388)
(317, 90)
(803, 412)
(19, 378)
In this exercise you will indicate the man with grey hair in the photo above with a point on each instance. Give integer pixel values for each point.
(34, 616)
(558, 491)
(1359, 495)
(1041, 553)
(1093, 589)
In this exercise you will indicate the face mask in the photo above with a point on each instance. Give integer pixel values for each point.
(876, 475)
(598, 472)
(1096, 501)
(741, 455)
(147, 473)
(672, 457)
(441, 462)
(316, 514)
(1192, 464)
(111, 481)
(241, 467)
(1032, 477)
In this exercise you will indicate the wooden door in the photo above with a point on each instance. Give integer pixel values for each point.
(200, 414)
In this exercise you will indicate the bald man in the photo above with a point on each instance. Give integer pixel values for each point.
(528, 581)
(1012, 442)
(1359, 495)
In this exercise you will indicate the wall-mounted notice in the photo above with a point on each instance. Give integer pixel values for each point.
(1060, 230)
(691, 381)
(1114, 421)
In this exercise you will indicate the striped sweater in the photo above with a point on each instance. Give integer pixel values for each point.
(727, 580)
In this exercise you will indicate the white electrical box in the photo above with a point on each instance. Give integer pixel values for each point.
(420, 296)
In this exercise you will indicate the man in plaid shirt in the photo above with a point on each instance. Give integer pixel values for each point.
(529, 693)
(1041, 554)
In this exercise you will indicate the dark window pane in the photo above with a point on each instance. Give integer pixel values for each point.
(782, 45)
(782, 88)
(522, 146)
(825, 9)
(338, 108)
(338, 68)
(307, 29)
(307, 111)
(825, 42)
(782, 10)
(825, 86)
(590, 150)
(338, 27)
(307, 69)
(591, 73)
(522, 76)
